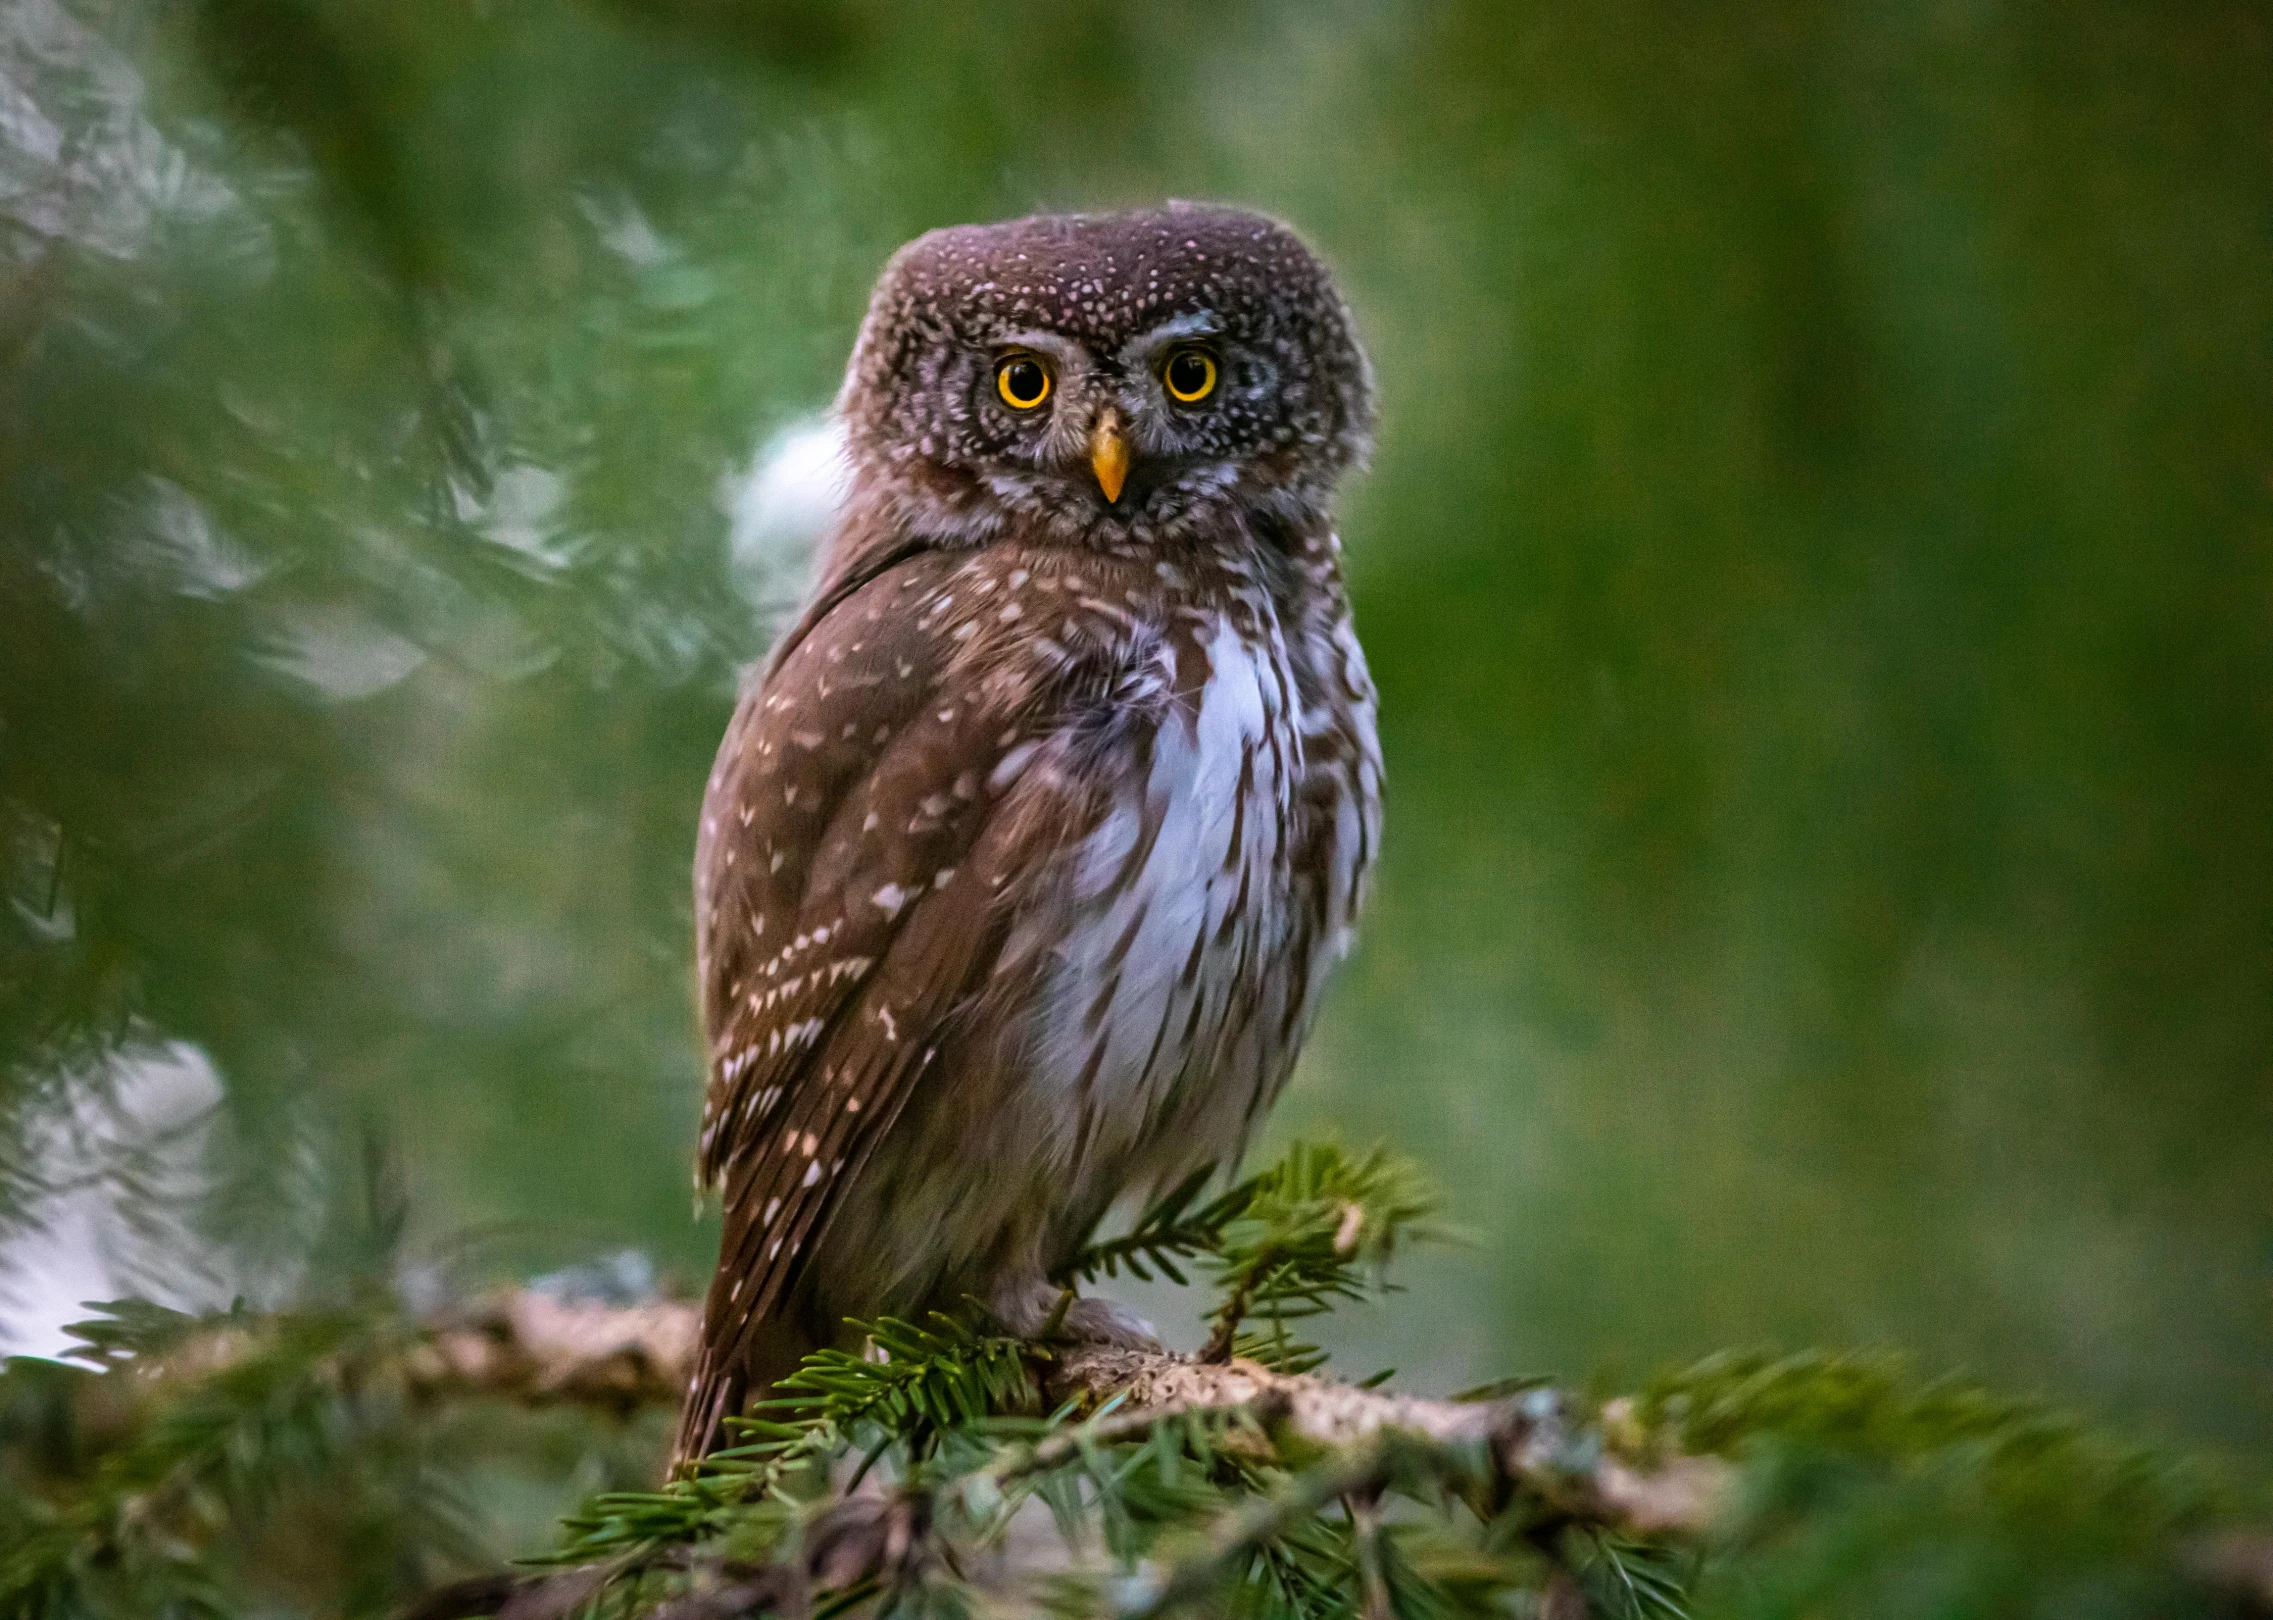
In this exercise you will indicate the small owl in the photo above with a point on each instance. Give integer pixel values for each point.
(1022, 865)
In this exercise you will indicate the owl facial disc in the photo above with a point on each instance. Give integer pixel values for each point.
(1128, 382)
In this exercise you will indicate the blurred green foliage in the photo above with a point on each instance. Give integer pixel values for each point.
(1817, 566)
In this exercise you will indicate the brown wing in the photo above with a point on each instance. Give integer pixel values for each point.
(860, 858)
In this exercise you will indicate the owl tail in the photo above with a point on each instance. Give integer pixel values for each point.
(712, 1394)
(727, 1378)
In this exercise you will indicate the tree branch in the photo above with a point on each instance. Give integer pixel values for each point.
(1591, 1471)
(530, 1347)
(535, 1349)
(1533, 1439)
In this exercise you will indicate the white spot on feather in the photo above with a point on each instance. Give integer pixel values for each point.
(1013, 761)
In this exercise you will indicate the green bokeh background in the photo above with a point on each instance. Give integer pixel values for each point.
(1818, 566)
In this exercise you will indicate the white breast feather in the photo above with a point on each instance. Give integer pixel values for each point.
(1183, 891)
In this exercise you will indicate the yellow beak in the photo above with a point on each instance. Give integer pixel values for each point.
(1109, 455)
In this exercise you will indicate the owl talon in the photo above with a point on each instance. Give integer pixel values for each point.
(1040, 1313)
(1106, 1322)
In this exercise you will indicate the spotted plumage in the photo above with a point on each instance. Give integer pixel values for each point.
(1023, 863)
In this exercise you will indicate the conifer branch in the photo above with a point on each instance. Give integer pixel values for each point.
(888, 1482)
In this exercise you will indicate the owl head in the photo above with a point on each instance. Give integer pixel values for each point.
(1114, 379)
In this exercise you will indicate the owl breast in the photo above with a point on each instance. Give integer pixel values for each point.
(1159, 1025)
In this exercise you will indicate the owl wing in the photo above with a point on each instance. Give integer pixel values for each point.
(884, 804)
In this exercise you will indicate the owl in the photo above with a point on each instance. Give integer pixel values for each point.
(1023, 862)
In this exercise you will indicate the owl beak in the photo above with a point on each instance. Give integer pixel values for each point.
(1109, 455)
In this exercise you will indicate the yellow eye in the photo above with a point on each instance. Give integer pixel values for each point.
(1189, 376)
(1022, 381)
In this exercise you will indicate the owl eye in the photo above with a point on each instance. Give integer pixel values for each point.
(1189, 376)
(1022, 381)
